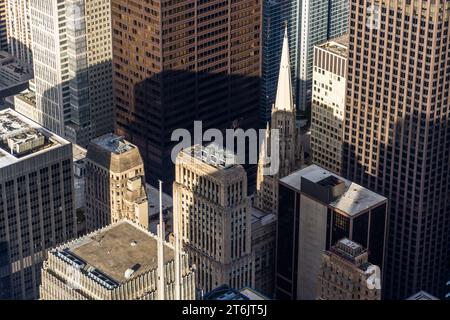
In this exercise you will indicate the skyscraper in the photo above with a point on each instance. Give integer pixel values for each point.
(213, 214)
(317, 209)
(36, 203)
(328, 103)
(72, 67)
(19, 31)
(396, 137)
(118, 262)
(346, 274)
(115, 183)
(180, 61)
(289, 148)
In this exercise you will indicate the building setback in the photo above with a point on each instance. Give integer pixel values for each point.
(316, 209)
(180, 61)
(118, 262)
(396, 138)
(36, 202)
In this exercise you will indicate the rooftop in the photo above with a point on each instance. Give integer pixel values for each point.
(153, 200)
(108, 253)
(337, 46)
(355, 198)
(113, 143)
(27, 96)
(21, 138)
(225, 292)
(212, 155)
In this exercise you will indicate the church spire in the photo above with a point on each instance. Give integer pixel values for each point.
(284, 99)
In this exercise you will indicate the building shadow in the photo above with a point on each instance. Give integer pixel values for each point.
(173, 100)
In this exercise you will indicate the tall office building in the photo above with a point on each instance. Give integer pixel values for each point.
(114, 183)
(346, 274)
(289, 147)
(317, 209)
(213, 214)
(72, 67)
(118, 262)
(19, 31)
(36, 202)
(180, 61)
(396, 137)
(277, 16)
(328, 103)
(3, 25)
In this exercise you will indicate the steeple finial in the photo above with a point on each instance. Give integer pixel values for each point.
(284, 99)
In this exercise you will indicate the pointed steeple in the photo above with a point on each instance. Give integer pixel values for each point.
(284, 99)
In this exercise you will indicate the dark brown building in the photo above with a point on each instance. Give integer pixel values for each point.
(176, 61)
(396, 132)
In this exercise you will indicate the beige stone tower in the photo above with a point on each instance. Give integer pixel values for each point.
(346, 274)
(210, 203)
(290, 150)
(115, 187)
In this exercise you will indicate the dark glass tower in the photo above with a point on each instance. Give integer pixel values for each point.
(317, 209)
(176, 61)
(397, 136)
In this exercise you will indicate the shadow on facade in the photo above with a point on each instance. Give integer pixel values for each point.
(173, 100)
(413, 174)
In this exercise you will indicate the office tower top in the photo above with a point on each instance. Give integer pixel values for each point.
(36, 206)
(115, 183)
(316, 209)
(346, 274)
(179, 62)
(290, 149)
(22, 140)
(328, 103)
(118, 262)
(396, 140)
(211, 209)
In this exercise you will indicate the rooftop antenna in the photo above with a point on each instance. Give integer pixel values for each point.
(161, 282)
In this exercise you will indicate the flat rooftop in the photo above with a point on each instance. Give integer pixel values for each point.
(337, 46)
(261, 217)
(354, 200)
(111, 251)
(113, 143)
(212, 155)
(21, 138)
(153, 200)
(27, 96)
